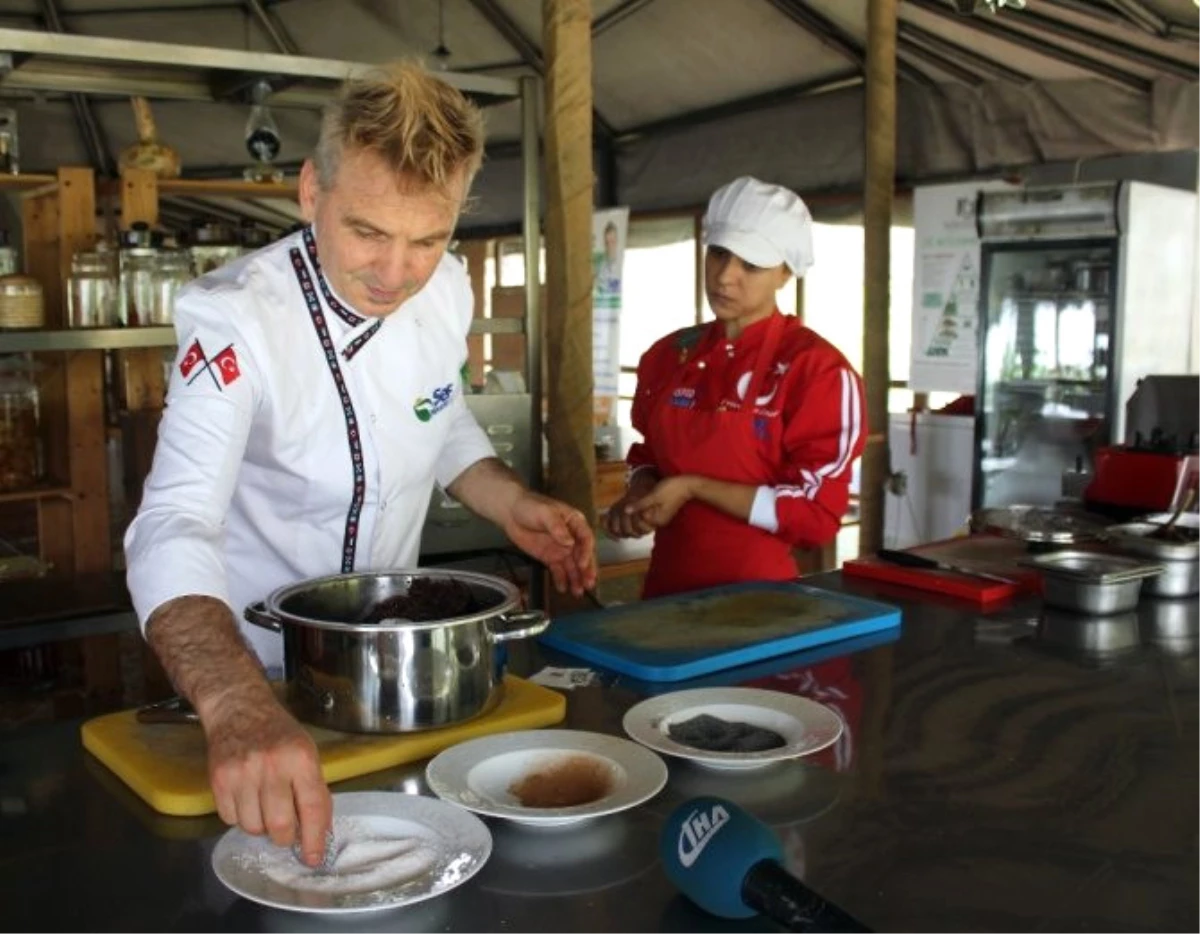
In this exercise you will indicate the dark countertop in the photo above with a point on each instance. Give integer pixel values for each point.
(989, 781)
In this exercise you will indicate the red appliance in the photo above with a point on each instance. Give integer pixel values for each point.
(1139, 480)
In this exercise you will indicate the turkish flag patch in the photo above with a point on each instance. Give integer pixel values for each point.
(226, 363)
(222, 369)
(192, 359)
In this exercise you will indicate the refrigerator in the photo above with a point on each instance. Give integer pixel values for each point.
(1084, 289)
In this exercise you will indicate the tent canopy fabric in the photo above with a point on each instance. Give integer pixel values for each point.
(687, 93)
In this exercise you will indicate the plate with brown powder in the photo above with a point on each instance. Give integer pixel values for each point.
(732, 728)
(546, 778)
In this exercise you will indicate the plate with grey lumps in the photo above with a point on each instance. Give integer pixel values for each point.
(732, 728)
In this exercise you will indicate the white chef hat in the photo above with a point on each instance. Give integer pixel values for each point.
(765, 225)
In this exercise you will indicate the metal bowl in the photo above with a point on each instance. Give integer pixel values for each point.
(1180, 559)
(1090, 582)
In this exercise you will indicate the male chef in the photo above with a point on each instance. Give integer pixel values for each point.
(315, 400)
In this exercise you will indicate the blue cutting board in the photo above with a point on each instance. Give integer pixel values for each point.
(626, 639)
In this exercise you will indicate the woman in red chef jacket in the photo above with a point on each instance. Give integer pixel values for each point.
(751, 423)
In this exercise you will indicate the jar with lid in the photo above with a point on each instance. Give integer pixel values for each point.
(138, 270)
(8, 255)
(173, 272)
(253, 237)
(21, 302)
(213, 245)
(20, 438)
(92, 289)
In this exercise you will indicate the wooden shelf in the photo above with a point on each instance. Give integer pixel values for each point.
(26, 182)
(42, 491)
(226, 188)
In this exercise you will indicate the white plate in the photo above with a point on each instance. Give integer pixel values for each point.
(480, 774)
(448, 846)
(805, 725)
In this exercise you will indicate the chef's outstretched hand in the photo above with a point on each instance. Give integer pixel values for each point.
(558, 536)
(266, 774)
(658, 507)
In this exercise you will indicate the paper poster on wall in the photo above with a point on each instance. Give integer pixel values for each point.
(945, 309)
(609, 230)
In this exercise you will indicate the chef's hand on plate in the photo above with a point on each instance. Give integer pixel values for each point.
(558, 536)
(266, 774)
(660, 505)
(623, 519)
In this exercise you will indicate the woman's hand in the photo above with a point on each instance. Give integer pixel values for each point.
(622, 520)
(661, 504)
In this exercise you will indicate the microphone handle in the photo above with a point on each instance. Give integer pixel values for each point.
(772, 891)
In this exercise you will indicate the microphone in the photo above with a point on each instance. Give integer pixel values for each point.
(731, 865)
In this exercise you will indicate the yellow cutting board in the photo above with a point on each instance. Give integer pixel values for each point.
(166, 764)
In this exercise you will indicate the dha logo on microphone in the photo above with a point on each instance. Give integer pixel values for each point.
(697, 830)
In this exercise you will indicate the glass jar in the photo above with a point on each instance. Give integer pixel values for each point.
(92, 290)
(213, 245)
(8, 255)
(21, 302)
(20, 438)
(138, 293)
(173, 271)
(253, 237)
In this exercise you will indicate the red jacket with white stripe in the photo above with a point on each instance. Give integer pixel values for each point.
(813, 428)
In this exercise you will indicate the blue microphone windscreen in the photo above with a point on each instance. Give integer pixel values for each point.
(708, 845)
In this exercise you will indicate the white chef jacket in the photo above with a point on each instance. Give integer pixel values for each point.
(299, 439)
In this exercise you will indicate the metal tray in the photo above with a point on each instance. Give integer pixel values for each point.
(1093, 567)
(1087, 582)
(1041, 525)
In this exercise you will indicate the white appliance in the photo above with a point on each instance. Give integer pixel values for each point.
(934, 456)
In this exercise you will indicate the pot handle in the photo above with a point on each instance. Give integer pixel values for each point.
(171, 710)
(507, 626)
(257, 614)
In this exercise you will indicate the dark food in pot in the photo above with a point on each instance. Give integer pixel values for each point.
(716, 735)
(428, 598)
(1176, 533)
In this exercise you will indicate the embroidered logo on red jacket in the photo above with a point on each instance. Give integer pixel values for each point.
(222, 368)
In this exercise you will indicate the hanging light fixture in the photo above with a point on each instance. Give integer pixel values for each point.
(442, 53)
(970, 7)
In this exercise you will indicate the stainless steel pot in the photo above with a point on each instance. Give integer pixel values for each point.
(395, 676)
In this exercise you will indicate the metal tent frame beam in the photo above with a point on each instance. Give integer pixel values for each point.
(999, 29)
(92, 64)
(1105, 43)
(94, 140)
(530, 53)
(833, 36)
(950, 50)
(845, 79)
(618, 14)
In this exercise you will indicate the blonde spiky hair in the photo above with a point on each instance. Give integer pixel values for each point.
(423, 128)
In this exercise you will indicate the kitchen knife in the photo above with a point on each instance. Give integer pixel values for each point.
(908, 559)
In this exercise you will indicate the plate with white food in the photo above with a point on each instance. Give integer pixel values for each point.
(387, 849)
(732, 728)
(546, 778)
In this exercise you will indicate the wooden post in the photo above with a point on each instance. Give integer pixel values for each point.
(140, 372)
(878, 190)
(142, 391)
(568, 310)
